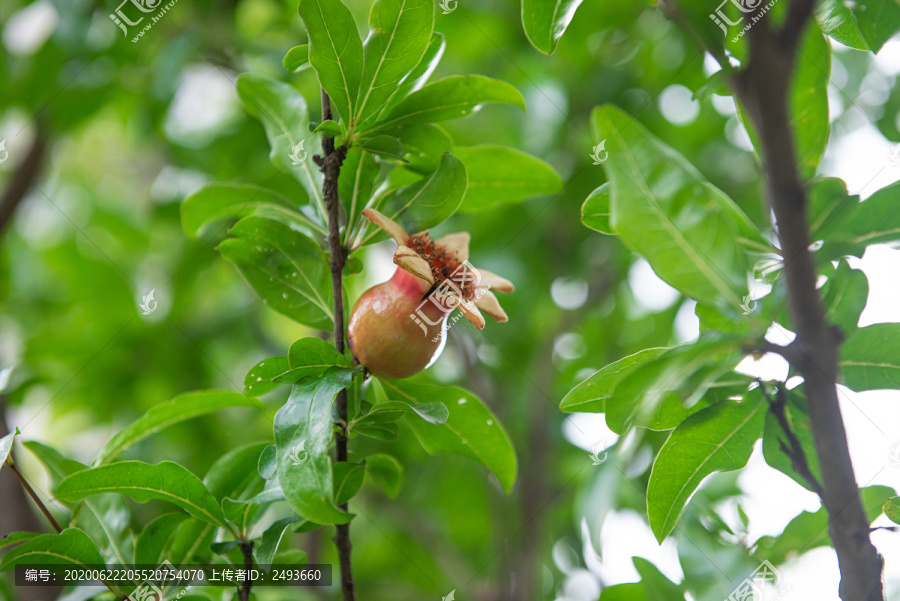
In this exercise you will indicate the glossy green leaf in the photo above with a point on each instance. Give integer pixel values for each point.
(400, 34)
(838, 21)
(303, 432)
(313, 356)
(296, 59)
(878, 20)
(288, 270)
(378, 430)
(14, 538)
(335, 51)
(472, 430)
(261, 377)
(348, 479)
(450, 98)
(629, 591)
(386, 472)
(844, 296)
(595, 210)
(143, 482)
(329, 128)
(429, 201)
(423, 146)
(234, 475)
(870, 358)
(665, 210)
(268, 462)
(71, 546)
(386, 146)
(591, 395)
(655, 583)
(156, 537)
(499, 174)
(717, 439)
(271, 538)
(418, 77)
(285, 118)
(161, 416)
(215, 202)
(809, 100)
(873, 221)
(545, 21)
(391, 411)
(241, 513)
(355, 185)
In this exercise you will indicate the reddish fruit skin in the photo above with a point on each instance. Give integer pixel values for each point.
(383, 336)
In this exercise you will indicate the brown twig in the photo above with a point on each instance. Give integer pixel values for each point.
(26, 172)
(247, 551)
(330, 164)
(33, 495)
(763, 88)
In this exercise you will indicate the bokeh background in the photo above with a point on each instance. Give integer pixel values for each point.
(108, 136)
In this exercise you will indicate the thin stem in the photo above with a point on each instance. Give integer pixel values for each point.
(247, 551)
(330, 164)
(33, 495)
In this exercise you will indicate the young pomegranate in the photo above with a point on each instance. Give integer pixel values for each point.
(397, 328)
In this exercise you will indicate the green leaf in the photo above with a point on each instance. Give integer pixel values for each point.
(844, 296)
(870, 358)
(427, 202)
(6, 444)
(261, 377)
(215, 202)
(590, 396)
(656, 585)
(400, 34)
(829, 206)
(161, 416)
(423, 146)
(717, 439)
(378, 431)
(268, 462)
(234, 475)
(303, 432)
(391, 411)
(837, 20)
(142, 482)
(14, 538)
(630, 591)
(472, 430)
(892, 509)
(312, 357)
(271, 538)
(288, 270)
(296, 59)
(156, 537)
(499, 174)
(809, 530)
(355, 185)
(878, 20)
(418, 77)
(348, 479)
(773, 437)
(873, 221)
(809, 100)
(386, 472)
(329, 128)
(595, 210)
(71, 546)
(335, 51)
(665, 210)
(241, 513)
(285, 118)
(545, 21)
(386, 146)
(450, 98)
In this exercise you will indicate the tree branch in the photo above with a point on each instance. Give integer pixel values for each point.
(27, 171)
(762, 87)
(247, 551)
(330, 164)
(33, 495)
